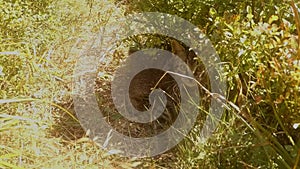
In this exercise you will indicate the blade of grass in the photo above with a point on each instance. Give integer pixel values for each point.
(297, 160)
(6, 164)
(18, 100)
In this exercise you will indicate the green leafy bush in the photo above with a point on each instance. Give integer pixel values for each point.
(257, 43)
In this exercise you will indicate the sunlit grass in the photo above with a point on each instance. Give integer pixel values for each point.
(37, 126)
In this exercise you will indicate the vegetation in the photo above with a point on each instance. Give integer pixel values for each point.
(257, 41)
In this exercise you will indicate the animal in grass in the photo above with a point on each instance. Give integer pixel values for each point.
(145, 81)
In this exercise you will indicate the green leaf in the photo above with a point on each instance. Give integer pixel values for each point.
(250, 16)
(212, 12)
(249, 10)
(272, 19)
(229, 26)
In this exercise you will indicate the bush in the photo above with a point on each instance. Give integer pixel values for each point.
(257, 43)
